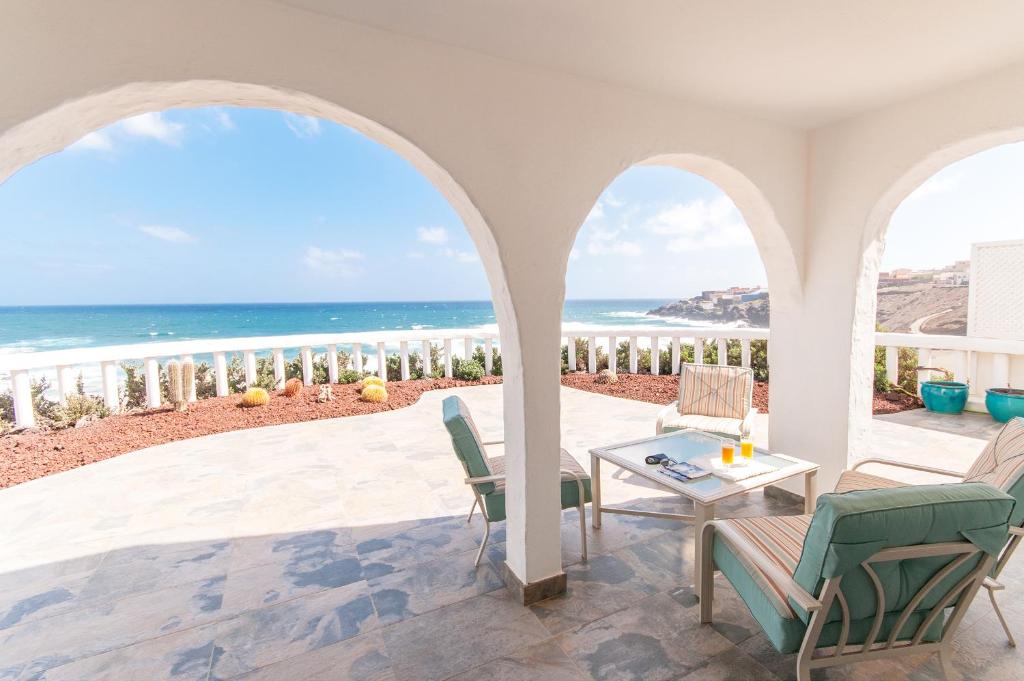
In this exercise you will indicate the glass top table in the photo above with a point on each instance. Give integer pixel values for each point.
(696, 447)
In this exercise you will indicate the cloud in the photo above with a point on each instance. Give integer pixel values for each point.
(170, 234)
(432, 235)
(415, 255)
(97, 140)
(941, 183)
(224, 119)
(602, 241)
(304, 127)
(154, 126)
(342, 262)
(460, 256)
(700, 224)
(574, 254)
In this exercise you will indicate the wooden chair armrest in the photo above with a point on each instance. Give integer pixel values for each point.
(908, 466)
(768, 567)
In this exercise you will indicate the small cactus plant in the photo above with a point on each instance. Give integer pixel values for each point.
(181, 378)
(606, 376)
(374, 393)
(255, 397)
(292, 387)
(373, 380)
(188, 384)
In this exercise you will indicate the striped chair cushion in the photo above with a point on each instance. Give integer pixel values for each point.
(709, 424)
(781, 539)
(1001, 463)
(566, 461)
(854, 481)
(713, 390)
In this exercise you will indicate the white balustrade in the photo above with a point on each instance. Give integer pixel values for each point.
(488, 356)
(723, 352)
(571, 352)
(613, 358)
(745, 352)
(382, 362)
(332, 363)
(448, 357)
(249, 362)
(675, 355)
(403, 359)
(357, 357)
(428, 363)
(307, 365)
(152, 367)
(65, 381)
(467, 348)
(111, 399)
(592, 354)
(277, 355)
(632, 355)
(698, 350)
(655, 355)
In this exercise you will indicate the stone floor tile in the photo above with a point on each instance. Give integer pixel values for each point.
(386, 554)
(362, 658)
(732, 665)
(540, 662)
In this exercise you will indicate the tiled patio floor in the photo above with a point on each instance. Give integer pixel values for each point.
(339, 550)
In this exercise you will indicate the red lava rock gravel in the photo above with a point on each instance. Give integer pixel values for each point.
(30, 455)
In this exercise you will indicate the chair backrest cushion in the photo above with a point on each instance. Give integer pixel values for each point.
(713, 390)
(466, 440)
(849, 528)
(1001, 464)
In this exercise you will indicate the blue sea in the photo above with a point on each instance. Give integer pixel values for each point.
(35, 329)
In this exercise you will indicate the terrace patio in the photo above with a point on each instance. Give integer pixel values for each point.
(339, 549)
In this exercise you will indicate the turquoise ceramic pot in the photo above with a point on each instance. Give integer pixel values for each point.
(944, 397)
(1004, 403)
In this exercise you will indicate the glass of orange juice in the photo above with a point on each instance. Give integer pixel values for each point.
(746, 449)
(728, 452)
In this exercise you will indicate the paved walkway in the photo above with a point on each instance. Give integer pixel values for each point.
(339, 550)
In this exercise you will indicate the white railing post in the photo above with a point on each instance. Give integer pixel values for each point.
(428, 365)
(65, 382)
(249, 360)
(108, 372)
(189, 359)
(357, 357)
(467, 348)
(892, 364)
(632, 355)
(592, 354)
(698, 350)
(1000, 370)
(613, 358)
(307, 365)
(960, 366)
(332, 363)
(723, 352)
(571, 352)
(655, 355)
(220, 372)
(675, 355)
(382, 362)
(488, 356)
(745, 353)
(403, 359)
(279, 372)
(152, 382)
(24, 413)
(448, 357)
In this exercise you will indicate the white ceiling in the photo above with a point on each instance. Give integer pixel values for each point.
(801, 62)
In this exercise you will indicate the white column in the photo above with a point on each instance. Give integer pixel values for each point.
(655, 355)
(357, 357)
(249, 360)
(21, 384)
(723, 352)
(571, 346)
(675, 354)
(488, 356)
(307, 365)
(467, 347)
(613, 359)
(592, 354)
(448, 357)
(428, 365)
(403, 357)
(220, 372)
(65, 382)
(745, 353)
(892, 364)
(332, 363)
(191, 397)
(382, 362)
(108, 372)
(279, 374)
(698, 350)
(632, 355)
(152, 382)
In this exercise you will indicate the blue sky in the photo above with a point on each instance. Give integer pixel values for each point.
(249, 205)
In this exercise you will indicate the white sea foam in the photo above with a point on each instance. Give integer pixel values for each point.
(33, 344)
(419, 327)
(628, 314)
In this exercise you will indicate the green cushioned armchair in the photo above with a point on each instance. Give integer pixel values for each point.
(872, 574)
(486, 474)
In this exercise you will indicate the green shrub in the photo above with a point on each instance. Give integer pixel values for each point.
(45, 409)
(394, 363)
(77, 406)
(293, 368)
(478, 357)
(906, 373)
(469, 370)
(349, 376)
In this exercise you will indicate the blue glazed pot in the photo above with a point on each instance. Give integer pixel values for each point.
(1004, 403)
(944, 397)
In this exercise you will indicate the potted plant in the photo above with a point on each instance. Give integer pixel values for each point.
(945, 395)
(1004, 403)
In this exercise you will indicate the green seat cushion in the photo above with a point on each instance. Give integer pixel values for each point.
(466, 441)
(570, 491)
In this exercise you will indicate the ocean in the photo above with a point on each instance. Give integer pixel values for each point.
(36, 329)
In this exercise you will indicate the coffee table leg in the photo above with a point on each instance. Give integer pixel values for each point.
(810, 490)
(701, 514)
(595, 491)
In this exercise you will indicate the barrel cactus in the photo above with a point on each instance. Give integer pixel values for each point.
(188, 384)
(175, 391)
(255, 397)
(374, 393)
(292, 387)
(606, 376)
(373, 380)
